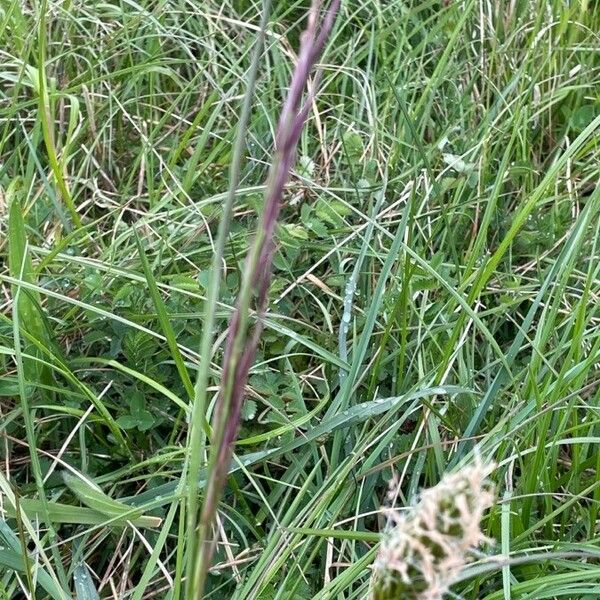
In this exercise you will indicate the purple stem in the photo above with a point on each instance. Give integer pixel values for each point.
(242, 340)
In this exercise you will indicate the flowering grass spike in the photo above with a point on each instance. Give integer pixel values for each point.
(427, 548)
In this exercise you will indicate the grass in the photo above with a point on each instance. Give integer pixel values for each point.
(435, 289)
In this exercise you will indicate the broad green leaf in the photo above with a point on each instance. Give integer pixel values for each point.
(84, 585)
(77, 515)
(93, 497)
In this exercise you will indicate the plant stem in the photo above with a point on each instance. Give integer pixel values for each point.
(198, 424)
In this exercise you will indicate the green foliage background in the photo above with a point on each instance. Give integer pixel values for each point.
(438, 250)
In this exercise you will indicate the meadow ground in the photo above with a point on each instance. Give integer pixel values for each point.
(436, 287)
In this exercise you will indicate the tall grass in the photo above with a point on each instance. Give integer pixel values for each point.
(242, 337)
(435, 286)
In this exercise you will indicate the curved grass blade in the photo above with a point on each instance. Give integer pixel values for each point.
(93, 497)
(84, 585)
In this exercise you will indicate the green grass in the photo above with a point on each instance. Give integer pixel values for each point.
(448, 170)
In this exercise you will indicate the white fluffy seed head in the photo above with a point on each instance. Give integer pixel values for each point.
(426, 549)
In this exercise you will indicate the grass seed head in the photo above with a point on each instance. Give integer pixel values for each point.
(426, 549)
